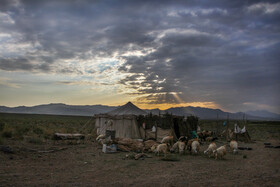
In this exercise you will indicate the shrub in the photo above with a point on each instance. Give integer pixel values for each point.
(20, 132)
(7, 132)
(38, 131)
(2, 125)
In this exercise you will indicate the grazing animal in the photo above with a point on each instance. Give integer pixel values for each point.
(195, 147)
(167, 140)
(161, 148)
(154, 147)
(220, 152)
(178, 146)
(233, 146)
(181, 147)
(183, 139)
(189, 144)
(210, 150)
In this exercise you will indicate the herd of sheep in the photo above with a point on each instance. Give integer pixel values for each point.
(184, 145)
(192, 145)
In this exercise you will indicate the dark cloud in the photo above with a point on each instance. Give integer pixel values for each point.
(224, 52)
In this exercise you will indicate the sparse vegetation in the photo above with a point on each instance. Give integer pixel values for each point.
(41, 127)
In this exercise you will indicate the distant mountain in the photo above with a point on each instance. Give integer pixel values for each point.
(264, 114)
(59, 109)
(89, 110)
(208, 113)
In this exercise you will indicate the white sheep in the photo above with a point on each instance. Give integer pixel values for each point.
(233, 146)
(161, 148)
(220, 152)
(195, 147)
(211, 148)
(181, 146)
(178, 146)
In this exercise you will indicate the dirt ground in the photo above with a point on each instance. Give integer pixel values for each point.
(86, 165)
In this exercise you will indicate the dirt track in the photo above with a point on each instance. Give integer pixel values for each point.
(85, 165)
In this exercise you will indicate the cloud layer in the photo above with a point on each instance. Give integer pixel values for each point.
(159, 52)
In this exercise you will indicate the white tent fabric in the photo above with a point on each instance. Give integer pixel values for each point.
(122, 120)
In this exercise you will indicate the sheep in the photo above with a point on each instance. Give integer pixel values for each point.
(233, 146)
(167, 140)
(178, 146)
(210, 150)
(154, 147)
(161, 148)
(181, 147)
(183, 139)
(220, 152)
(195, 147)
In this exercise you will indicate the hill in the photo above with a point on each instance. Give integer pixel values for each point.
(89, 110)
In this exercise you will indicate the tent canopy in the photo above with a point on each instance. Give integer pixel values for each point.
(127, 109)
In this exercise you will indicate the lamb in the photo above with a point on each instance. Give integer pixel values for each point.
(233, 146)
(161, 148)
(167, 140)
(210, 150)
(220, 152)
(195, 147)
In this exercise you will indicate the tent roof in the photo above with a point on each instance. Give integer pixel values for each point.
(127, 109)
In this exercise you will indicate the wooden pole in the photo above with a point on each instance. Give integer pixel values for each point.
(227, 133)
(217, 125)
(156, 131)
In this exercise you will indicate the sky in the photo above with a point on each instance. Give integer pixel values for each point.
(157, 54)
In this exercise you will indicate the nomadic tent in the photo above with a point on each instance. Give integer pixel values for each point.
(121, 120)
(129, 121)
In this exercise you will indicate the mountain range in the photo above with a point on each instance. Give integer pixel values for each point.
(89, 110)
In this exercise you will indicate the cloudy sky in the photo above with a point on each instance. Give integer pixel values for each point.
(157, 54)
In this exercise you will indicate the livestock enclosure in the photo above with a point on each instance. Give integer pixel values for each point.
(36, 159)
